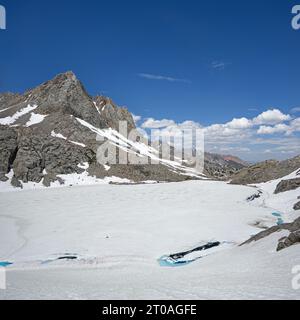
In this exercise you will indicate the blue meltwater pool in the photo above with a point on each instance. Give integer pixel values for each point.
(178, 259)
(279, 218)
(5, 263)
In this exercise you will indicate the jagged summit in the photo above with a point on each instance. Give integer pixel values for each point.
(65, 95)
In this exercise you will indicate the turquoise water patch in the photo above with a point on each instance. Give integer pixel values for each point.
(280, 221)
(176, 259)
(167, 261)
(279, 218)
(276, 214)
(5, 263)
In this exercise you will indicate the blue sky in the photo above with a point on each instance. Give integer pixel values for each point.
(206, 61)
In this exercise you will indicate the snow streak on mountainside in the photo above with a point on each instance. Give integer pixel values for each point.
(49, 131)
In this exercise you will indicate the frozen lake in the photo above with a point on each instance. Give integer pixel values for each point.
(115, 235)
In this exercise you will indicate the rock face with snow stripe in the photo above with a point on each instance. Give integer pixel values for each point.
(38, 154)
(66, 95)
(292, 239)
(52, 129)
(110, 114)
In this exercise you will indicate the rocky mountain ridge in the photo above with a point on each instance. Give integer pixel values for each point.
(52, 130)
(266, 171)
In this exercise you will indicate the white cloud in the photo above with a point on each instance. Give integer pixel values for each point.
(219, 65)
(151, 123)
(170, 128)
(242, 123)
(273, 116)
(271, 130)
(161, 77)
(279, 128)
(295, 110)
(293, 126)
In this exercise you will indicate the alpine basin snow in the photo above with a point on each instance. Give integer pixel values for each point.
(119, 232)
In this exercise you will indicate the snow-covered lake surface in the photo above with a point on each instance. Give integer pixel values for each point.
(116, 233)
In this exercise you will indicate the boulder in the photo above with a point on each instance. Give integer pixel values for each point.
(292, 239)
(287, 185)
(16, 183)
(297, 206)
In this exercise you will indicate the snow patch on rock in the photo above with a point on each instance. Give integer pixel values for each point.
(60, 136)
(35, 118)
(12, 119)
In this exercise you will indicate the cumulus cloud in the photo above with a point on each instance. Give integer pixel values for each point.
(268, 122)
(271, 130)
(242, 123)
(295, 124)
(151, 123)
(287, 129)
(279, 128)
(273, 116)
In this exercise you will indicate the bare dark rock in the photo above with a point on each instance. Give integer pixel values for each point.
(111, 114)
(280, 246)
(8, 148)
(50, 178)
(9, 99)
(297, 206)
(65, 94)
(266, 171)
(3, 177)
(37, 153)
(285, 242)
(16, 183)
(222, 167)
(287, 185)
(255, 196)
(292, 239)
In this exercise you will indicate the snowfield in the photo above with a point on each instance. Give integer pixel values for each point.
(104, 242)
